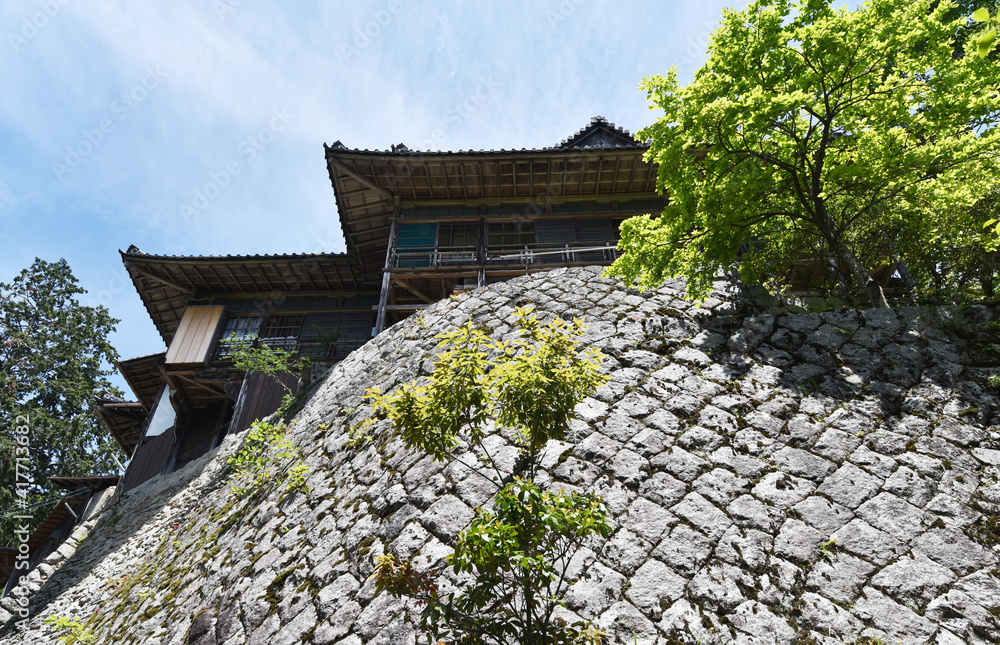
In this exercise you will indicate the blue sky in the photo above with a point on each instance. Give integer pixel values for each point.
(197, 126)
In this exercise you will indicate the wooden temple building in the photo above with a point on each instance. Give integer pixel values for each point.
(419, 226)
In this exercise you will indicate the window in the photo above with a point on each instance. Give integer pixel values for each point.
(506, 235)
(282, 331)
(581, 230)
(457, 243)
(241, 328)
(597, 235)
(276, 330)
(463, 235)
(334, 335)
(238, 329)
(415, 244)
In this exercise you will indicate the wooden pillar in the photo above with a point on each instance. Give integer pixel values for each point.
(481, 251)
(390, 251)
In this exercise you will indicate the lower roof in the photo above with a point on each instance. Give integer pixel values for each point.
(123, 419)
(93, 483)
(166, 283)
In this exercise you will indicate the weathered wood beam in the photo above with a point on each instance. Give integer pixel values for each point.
(465, 182)
(383, 300)
(413, 290)
(362, 180)
(153, 276)
(614, 177)
(521, 201)
(413, 307)
(447, 183)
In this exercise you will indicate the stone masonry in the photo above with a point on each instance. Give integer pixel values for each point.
(774, 478)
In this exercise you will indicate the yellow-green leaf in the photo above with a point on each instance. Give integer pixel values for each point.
(981, 15)
(986, 42)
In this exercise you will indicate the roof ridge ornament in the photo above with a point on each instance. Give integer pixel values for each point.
(599, 133)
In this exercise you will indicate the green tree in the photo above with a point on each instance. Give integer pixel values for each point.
(516, 552)
(815, 132)
(54, 359)
(958, 270)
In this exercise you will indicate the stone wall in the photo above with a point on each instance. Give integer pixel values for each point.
(801, 478)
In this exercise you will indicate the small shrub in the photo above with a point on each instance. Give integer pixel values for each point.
(76, 633)
(255, 462)
(516, 552)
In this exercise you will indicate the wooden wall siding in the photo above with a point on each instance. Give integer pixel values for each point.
(259, 397)
(198, 433)
(195, 335)
(150, 459)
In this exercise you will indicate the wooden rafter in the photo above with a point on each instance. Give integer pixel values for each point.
(215, 275)
(153, 276)
(361, 180)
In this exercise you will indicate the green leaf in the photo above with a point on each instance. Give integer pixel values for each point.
(985, 45)
(981, 15)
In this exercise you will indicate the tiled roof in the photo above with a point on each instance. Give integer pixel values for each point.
(598, 134)
(133, 251)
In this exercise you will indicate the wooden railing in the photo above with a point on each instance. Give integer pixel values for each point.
(336, 348)
(535, 253)
(567, 253)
